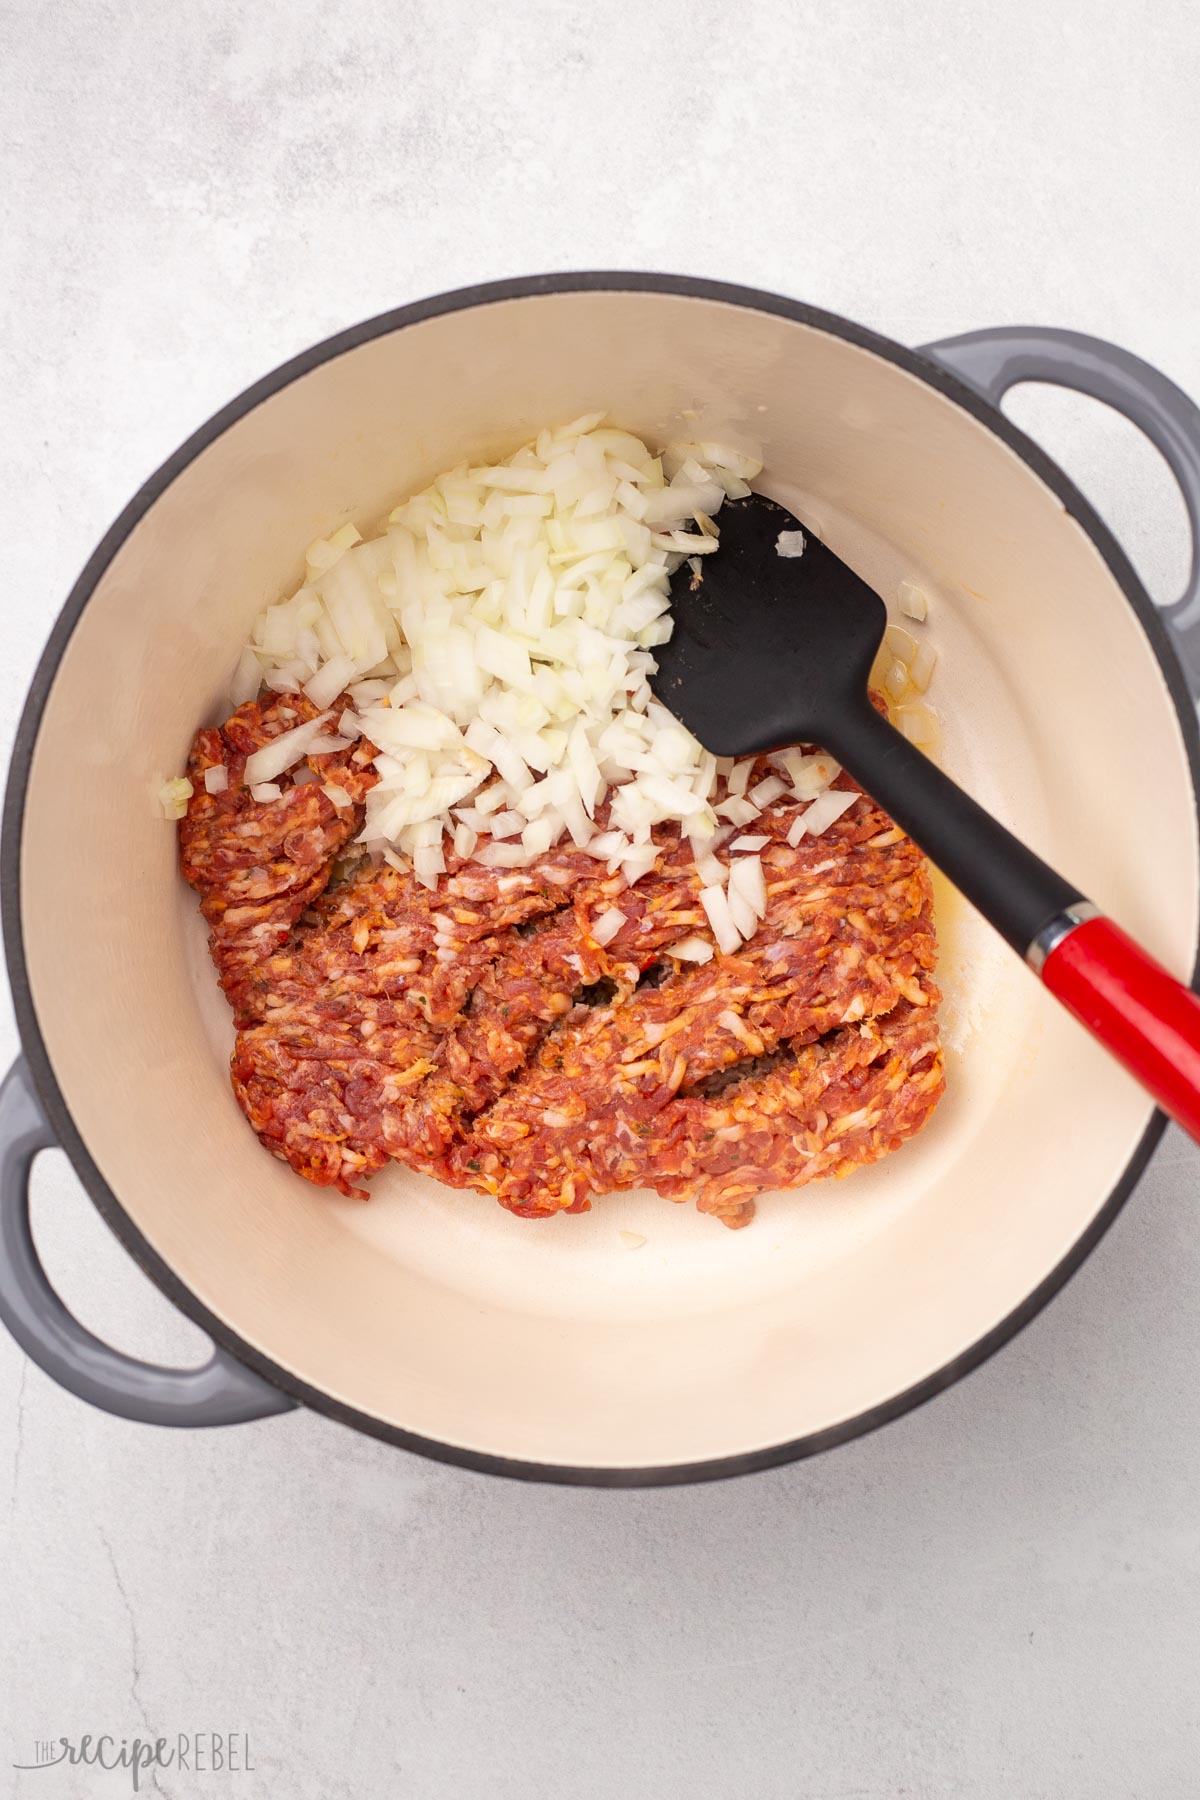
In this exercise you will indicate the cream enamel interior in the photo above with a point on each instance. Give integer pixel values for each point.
(437, 1312)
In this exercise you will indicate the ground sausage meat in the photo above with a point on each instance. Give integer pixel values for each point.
(480, 1034)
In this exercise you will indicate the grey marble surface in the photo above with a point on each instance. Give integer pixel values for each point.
(994, 1599)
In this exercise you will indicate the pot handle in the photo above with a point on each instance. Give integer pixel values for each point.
(221, 1391)
(993, 361)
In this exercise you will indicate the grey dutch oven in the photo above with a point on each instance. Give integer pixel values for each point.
(432, 1319)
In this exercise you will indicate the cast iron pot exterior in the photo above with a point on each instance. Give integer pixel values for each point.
(239, 1383)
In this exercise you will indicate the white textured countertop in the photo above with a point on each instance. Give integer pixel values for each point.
(998, 1596)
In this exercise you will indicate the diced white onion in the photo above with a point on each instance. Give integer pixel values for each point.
(740, 810)
(895, 680)
(822, 813)
(638, 862)
(920, 725)
(496, 642)
(505, 856)
(912, 600)
(715, 902)
(428, 864)
(901, 643)
(538, 836)
(216, 779)
(753, 842)
(329, 680)
(766, 791)
(265, 790)
(368, 693)
(744, 917)
(747, 882)
(690, 949)
(810, 775)
(607, 844)
(173, 797)
(277, 756)
(247, 678)
(790, 543)
(922, 666)
(739, 775)
(606, 927)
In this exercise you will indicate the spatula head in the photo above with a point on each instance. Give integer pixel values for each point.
(767, 649)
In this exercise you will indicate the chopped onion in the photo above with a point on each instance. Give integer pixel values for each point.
(216, 779)
(247, 678)
(505, 856)
(912, 600)
(496, 642)
(428, 864)
(754, 842)
(336, 794)
(821, 814)
(810, 775)
(277, 756)
(766, 791)
(790, 543)
(744, 917)
(638, 862)
(747, 882)
(901, 643)
(690, 949)
(920, 725)
(715, 902)
(922, 667)
(739, 775)
(491, 799)
(895, 682)
(606, 927)
(322, 553)
(710, 869)
(286, 679)
(739, 810)
(173, 797)
(266, 790)
(538, 836)
(329, 681)
(607, 844)
(368, 693)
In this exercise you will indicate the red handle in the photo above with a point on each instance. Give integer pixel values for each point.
(1149, 1021)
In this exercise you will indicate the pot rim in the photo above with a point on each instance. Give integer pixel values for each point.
(58, 1112)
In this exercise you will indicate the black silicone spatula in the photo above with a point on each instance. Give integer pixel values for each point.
(771, 650)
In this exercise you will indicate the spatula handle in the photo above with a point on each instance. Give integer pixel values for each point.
(1136, 1009)
(1147, 1019)
(1015, 890)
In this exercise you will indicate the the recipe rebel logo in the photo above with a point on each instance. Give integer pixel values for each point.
(190, 1752)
